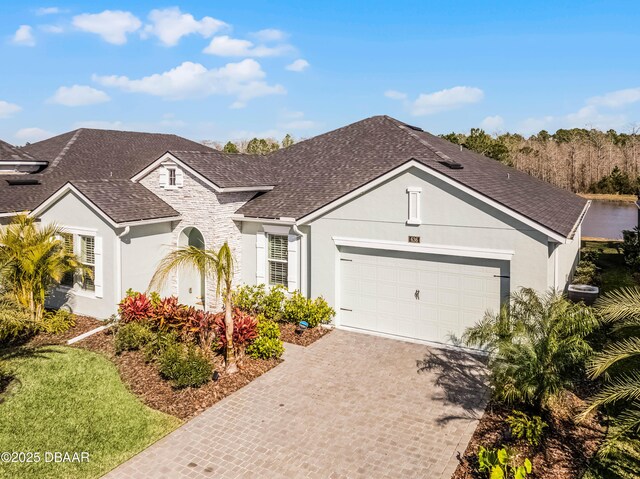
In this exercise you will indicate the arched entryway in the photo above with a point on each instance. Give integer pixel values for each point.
(191, 286)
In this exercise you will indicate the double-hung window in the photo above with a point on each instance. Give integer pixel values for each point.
(67, 240)
(88, 259)
(277, 259)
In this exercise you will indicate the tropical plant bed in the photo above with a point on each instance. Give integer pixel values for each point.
(288, 334)
(144, 380)
(82, 325)
(566, 449)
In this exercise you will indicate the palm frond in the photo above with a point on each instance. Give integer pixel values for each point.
(619, 304)
(188, 257)
(618, 351)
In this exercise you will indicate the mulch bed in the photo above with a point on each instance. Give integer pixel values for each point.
(144, 380)
(309, 336)
(564, 453)
(83, 324)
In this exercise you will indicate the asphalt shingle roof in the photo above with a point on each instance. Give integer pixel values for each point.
(11, 153)
(124, 201)
(228, 170)
(317, 171)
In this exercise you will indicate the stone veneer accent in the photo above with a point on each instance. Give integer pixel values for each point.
(210, 212)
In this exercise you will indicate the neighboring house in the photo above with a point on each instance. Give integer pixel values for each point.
(404, 233)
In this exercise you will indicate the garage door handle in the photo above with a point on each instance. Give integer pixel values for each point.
(417, 294)
(345, 309)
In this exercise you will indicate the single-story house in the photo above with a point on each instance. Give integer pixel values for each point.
(404, 233)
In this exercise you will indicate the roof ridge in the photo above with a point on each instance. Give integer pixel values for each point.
(404, 127)
(64, 150)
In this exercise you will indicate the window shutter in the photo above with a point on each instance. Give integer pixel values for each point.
(98, 280)
(261, 258)
(164, 177)
(179, 178)
(292, 258)
(414, 205)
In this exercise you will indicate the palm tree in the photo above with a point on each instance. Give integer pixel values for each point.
(618, 361)
(33, 258)
(535, 343)
(219, 265)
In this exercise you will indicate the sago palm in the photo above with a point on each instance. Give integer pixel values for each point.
(619, 362)
(535, 344)
(217, 265)
(32, 260)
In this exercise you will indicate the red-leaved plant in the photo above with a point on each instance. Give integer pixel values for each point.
(135, 307)
(199, 326)
(168, 314)
(245, 330)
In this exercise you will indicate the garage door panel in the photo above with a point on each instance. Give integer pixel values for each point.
(380, 289)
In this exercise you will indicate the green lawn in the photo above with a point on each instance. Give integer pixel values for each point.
(623, 462)
(72, 400)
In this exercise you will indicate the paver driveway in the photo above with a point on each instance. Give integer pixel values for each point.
(350, 405)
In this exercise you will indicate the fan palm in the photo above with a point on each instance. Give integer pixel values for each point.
(32, 260)
(619, 362)
(218, 265)
(535, 343)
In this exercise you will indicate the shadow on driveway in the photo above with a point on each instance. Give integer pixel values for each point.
(462, 378)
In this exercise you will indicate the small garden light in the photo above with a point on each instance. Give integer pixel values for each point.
(216, 375)
(302, 325)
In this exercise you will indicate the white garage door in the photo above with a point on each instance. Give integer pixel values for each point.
(417, 296)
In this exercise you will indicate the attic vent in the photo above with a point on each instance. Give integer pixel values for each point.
(23, 181)
(454, 165)
(415, 128)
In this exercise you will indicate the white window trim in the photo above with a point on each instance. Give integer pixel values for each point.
(77, 232)
(414, 193)
(269, 260)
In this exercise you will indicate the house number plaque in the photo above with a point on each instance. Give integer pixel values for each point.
(414, 239)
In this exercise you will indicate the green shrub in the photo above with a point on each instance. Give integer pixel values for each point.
(15, 321)
(298, 308)
(499, 464)
(132, 336)
(528, 428)
(260, 300)
(268, 344)
(631, 248)
(586, 273)
(185, 366)
(158, 343)
(57, 322)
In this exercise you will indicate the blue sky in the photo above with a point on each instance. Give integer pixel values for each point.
(221, 70)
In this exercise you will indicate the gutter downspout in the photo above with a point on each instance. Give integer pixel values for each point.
(303, 259)
(121, 236)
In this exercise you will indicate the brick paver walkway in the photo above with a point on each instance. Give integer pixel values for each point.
(348, 406)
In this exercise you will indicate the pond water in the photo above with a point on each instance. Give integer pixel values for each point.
(607, 219)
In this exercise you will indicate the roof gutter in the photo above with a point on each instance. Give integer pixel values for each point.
(284, 220)
(579, 221)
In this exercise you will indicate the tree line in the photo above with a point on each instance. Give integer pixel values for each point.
(255, 146)
(577, 159)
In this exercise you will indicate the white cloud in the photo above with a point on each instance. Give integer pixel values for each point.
(48, 11)
(112, 25)
(616, 99)
(270, 35)
(78, 95)
(170, 25)
(395, 95)
(24, 36)
(31, 135)
(8, 109)
(100, 125)
(298, 66)
(444, 100)
(243, 80)
(225, 46)
(586, 117)
(492, 123)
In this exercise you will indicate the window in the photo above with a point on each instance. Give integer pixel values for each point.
(414, 205)
(88, 259)
(277, 259)
(172, 177)
(67, 239)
